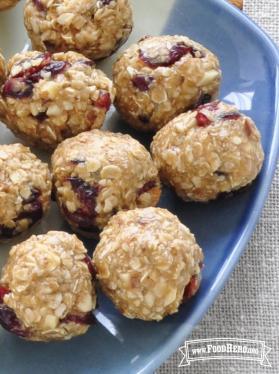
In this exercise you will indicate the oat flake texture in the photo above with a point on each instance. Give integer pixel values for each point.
(50, 287)
(144, 262)
(202, 153)
(98, 173)
(25, 189)
(95, 28)
(49, 97)
(161, 77)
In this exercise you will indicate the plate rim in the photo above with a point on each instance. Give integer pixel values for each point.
(230, 263)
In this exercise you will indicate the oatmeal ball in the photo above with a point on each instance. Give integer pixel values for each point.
(25, 189)
(148, 263)
(95, 28)
(211, 150)
(6, 4)
(160, 77)
(50, 97)
(46, 290)
(97, 173)
(2, 68)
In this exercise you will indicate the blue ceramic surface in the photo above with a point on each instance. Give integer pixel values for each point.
(250, 79)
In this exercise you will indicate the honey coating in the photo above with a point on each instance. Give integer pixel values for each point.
(95, 28)
(160, 77)
(214, 149)
(47, 289)
(145, 262)
(96, 174)
(50, 97)
(25, 189)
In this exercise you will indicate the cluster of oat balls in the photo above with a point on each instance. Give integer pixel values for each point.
(147, 262)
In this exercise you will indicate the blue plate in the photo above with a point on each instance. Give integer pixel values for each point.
(250, 68)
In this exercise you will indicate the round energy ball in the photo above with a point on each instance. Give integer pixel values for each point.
(211, 150)
(161, 77)
(2, 68)
(50, 97)
(25, 189)
(95, 28)
(6, 4)
(148, 263)
(96, 174)
(46, 290)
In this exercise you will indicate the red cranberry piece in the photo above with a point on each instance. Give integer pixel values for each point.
(17, 88)
(3, 291)
(34, 212)
(147, 187)
(56, 67)
(103, 101)
(176, 52)
(86, 193)
(10, 322)
(32, 73)
(230, 116)
(39, 5)
(142, 82)
(203, 120)
(86, 319)
(191, 288)
(91, 269)
(80, 218)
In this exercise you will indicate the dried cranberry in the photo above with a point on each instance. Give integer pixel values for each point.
(230, 116)
(3, 291)
(56, 67)
(41, 117)
(21, 85)
(91, 269)
(39, 5)
(10, 322)
(147, 187)
(176, 52)
(203, 120)
(103, 101)
(31, 73)
(191, 288)
(35, 194)
(84, 216)
(80, 218)
(142, 82)
(17, 88)
(86, 319)
(34, 212)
